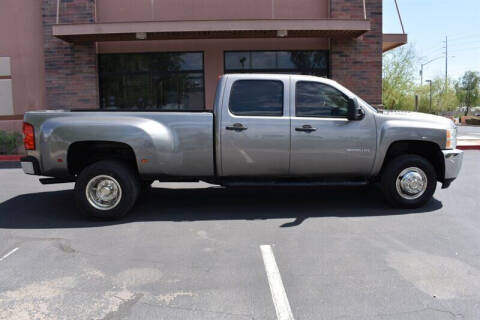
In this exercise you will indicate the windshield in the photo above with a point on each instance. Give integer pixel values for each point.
(364, 103)
(360, 100)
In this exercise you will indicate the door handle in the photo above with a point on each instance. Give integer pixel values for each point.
(306, 128)
(236, 127)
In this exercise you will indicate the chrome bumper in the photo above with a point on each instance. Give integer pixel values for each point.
(30, 165)
(453, 163)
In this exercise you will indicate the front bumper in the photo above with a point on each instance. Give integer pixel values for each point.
(453, 162)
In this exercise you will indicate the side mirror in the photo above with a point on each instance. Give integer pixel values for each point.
(354, 111)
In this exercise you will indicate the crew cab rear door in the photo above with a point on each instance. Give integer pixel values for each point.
(324, 141)
(255, 126)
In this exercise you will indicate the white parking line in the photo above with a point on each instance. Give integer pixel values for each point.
(279, 296)
(8, 254)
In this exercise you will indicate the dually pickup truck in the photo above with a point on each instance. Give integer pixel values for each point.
(265, 130)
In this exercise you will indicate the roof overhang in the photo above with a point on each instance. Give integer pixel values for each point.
(393, 40)
(211, 29)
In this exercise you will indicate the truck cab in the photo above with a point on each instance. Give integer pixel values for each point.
(297, 126)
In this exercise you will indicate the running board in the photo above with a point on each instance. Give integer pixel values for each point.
(294, 183)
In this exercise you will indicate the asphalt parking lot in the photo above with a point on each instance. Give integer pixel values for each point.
(192, 251)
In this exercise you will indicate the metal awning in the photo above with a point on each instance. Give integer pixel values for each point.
(393, 40)
(211, 29)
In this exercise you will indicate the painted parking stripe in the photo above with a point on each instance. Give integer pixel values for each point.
(8, 254)
(279, 296)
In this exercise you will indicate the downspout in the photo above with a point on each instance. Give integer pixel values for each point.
(58, 11)
(365, 11)
(329, 71)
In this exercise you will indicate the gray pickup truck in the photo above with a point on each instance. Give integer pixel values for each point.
(265, 130)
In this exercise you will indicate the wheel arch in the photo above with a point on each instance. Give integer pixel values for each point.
(84, 153)
(426, 149)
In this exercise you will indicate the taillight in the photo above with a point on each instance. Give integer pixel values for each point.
(28, 136)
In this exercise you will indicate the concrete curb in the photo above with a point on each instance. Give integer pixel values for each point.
(10, 157)
(469, 147)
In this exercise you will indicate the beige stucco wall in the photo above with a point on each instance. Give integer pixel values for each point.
(155, 10)
(21, 39)
(6, 96)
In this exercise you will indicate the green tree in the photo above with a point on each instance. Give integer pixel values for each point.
(468, 90)
(398, 75)
(400, 85)
(9, 142)
(442, 100)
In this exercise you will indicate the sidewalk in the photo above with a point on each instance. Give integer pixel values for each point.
(465, 142)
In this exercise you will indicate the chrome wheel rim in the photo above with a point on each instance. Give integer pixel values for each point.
(103, 192)
(411, 183)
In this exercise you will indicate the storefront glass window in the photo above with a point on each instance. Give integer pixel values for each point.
(166, 80)
(294, 62)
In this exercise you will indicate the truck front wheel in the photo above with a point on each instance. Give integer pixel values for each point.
(409, 181)
(107, 189)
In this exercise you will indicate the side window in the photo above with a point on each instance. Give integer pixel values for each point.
(257, 98)
(314, 99)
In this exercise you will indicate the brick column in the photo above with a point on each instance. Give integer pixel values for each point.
(70, 69)
(357, 63)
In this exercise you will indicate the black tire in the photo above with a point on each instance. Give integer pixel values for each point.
(391, 173)
(126, 184)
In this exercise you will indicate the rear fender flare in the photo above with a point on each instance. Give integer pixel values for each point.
(152, 142)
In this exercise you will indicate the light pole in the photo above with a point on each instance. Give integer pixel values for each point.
(446, 62)
(430, 108)
(421, 69)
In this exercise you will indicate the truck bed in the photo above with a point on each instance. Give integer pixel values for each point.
(165, 143)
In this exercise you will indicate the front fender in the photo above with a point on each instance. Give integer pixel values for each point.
(392, 131)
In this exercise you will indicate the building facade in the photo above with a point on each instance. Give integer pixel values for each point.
(168, 54)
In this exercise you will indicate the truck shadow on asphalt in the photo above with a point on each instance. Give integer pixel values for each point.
(56, 209)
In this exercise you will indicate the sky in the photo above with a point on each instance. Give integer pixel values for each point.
(427, 22)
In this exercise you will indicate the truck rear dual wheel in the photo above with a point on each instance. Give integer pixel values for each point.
(409, 181)
(107, 189)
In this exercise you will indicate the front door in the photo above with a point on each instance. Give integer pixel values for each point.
(324, 141)
(255, 132)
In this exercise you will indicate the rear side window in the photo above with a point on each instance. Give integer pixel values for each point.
(257, 98)
(314, 99)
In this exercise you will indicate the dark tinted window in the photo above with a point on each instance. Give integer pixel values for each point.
(257, 98)
(164, 80)
(293, 62)
(313, 99)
